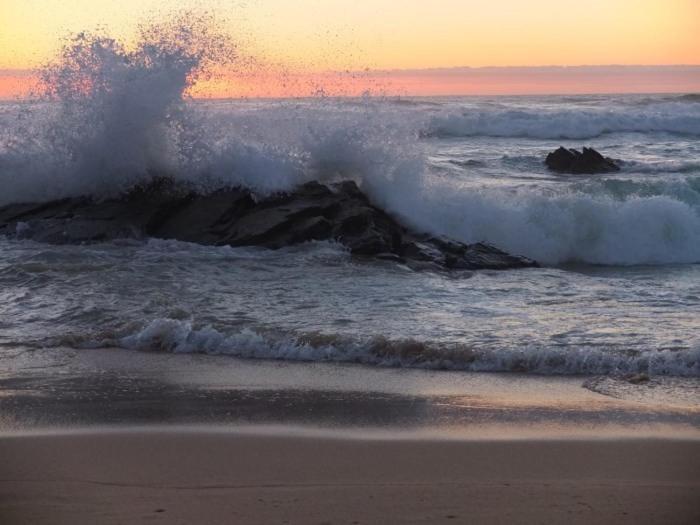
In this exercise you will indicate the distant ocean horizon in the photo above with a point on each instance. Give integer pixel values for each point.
(271, 82)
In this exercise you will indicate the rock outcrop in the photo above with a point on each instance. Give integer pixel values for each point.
(589, 161)
(235, 217)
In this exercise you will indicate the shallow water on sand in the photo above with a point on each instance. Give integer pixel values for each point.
(54, 389)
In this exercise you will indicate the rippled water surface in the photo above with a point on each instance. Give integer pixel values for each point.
(618, 293)
(314, 302)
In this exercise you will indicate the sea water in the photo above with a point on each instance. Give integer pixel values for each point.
(618, 291)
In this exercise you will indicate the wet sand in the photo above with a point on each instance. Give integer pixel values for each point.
(201, 476)
(74, 389)
(113, 437)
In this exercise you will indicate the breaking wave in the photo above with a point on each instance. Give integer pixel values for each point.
(681, 117)
(172, 335)
(612, 222)
(113, 117)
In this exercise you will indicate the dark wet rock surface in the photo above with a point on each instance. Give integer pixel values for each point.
(588, 162)
(237, 217)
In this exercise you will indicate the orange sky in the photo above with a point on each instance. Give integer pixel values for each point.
(311, 37)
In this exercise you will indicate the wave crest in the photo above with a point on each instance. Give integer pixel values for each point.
(172, 335)
(681, 118)
(121, 117)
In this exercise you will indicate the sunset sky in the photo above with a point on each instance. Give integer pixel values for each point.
(311, 38)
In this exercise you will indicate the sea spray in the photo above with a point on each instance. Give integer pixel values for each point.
(114, 116)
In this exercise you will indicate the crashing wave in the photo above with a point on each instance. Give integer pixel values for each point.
(118, 116)
(600, 224)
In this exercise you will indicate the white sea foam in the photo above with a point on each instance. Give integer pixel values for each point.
(172, 335)
(116, 117)
(569, 123)
(558, 227)
(119, 116)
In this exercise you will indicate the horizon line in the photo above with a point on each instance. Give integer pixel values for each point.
(22, 83)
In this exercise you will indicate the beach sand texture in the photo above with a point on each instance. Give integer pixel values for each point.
(136, 476)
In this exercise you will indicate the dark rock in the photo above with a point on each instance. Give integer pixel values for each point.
(422, 251)
(589, 161)
(236, 217)
(202, 219)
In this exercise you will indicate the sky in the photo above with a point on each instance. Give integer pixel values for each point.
(389, 44)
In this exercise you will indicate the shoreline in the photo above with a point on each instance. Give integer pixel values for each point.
(114, 436)
(480, 432)
(109, 388)
(139, 475)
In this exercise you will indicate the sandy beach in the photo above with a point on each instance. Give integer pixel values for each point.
(120, 437)
(200, 476)
(139, 438)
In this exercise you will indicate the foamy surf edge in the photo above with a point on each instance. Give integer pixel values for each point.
(182, 337)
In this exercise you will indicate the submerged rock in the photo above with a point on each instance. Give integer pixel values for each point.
(589, 161)
(236, 217)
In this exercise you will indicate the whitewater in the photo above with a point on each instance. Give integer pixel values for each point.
(619, 287)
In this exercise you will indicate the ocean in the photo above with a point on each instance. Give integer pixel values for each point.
(618, 291)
